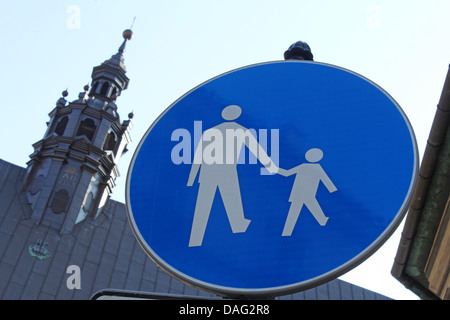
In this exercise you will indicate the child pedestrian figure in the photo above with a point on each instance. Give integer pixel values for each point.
(304, 190)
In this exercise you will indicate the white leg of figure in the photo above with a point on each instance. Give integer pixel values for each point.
(231, 197)
(316, 211)
(205, 200)
(291, 221)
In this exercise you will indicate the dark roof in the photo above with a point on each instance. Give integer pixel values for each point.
(106, 251)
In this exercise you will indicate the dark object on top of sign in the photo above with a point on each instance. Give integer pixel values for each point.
(299, 50)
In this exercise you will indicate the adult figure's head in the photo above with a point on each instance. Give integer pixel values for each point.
(231, 113)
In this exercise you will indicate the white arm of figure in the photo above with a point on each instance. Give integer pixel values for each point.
(328, 183)
(193, 174)
(254, 146)
(285, 173)
(195, 165)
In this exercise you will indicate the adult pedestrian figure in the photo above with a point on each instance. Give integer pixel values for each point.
(221, 173)
(307, 179)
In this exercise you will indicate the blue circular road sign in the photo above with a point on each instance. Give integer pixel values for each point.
(272, 178)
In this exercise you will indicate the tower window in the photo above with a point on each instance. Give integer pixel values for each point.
(110, 141)
(104, 89)
(94, 88)
(61, 126)
(89, 201)
(87, 127)
(60, 201)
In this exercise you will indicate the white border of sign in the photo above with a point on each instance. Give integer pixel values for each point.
(288, 289)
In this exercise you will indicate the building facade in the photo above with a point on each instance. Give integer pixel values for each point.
(422, 262)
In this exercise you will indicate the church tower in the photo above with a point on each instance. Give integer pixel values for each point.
(74, 167)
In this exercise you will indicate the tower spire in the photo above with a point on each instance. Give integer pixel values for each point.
(109, 79)
(74, 167)
(127, 35)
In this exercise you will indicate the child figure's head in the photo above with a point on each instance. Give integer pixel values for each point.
(314, 155)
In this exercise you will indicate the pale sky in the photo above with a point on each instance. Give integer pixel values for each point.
(48, 46)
